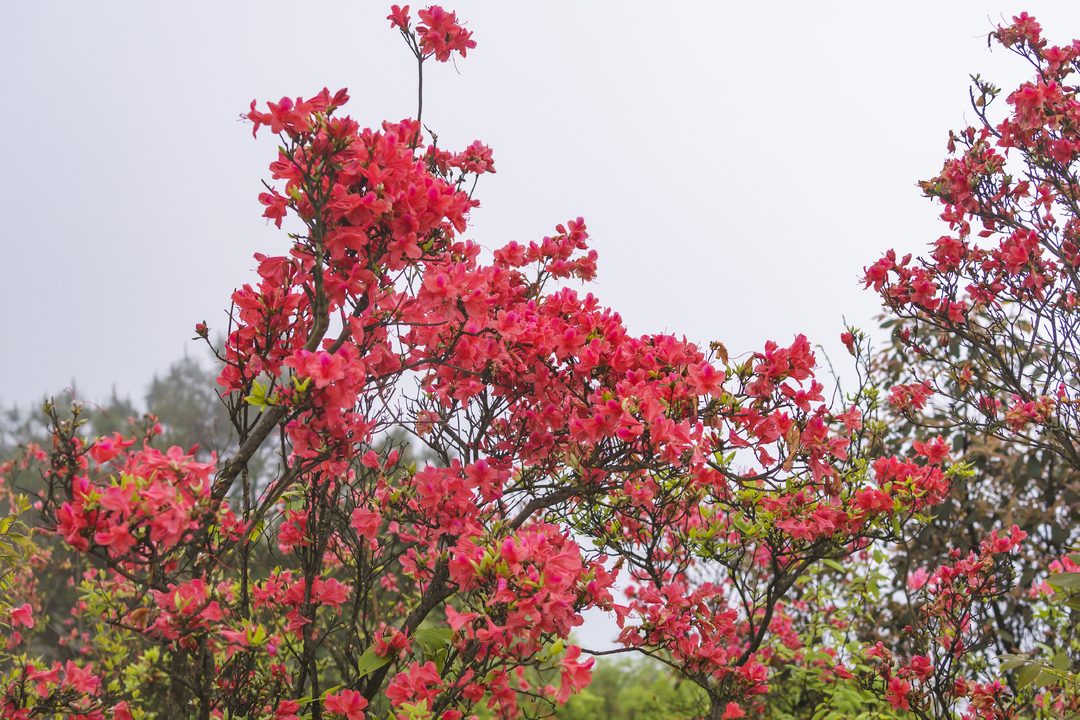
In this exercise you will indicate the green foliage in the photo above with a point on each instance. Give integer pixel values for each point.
(635, 689)
(16, 547)
(191, 412)
(184, 401)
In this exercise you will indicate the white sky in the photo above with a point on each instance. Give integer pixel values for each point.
(737, 164)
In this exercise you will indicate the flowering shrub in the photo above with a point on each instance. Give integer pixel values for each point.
(564, 455)
(984, 353)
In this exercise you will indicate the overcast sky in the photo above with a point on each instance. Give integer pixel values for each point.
(737, 164)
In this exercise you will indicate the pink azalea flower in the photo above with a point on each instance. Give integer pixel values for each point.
(23, 615)
(347, 703)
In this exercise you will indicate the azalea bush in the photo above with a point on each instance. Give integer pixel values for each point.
(444, 455)
(984, 354)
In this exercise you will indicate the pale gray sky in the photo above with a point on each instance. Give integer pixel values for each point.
(737, 163)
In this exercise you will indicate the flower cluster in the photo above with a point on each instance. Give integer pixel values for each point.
(948, 626)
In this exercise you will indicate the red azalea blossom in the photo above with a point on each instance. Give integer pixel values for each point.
(346, 703)
(440, 34)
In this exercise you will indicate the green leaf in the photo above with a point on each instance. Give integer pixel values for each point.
(1012, 664)
(1066, 580)
(1026, 675)
(1061, 661)
(257, 396)
(850, 695)
(833, 564)
(1073, 602)
(432, 640)
(740, 523)
(417, 710)
(369, 662)
(1046, 678)
(257, 531)
(440, 660)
